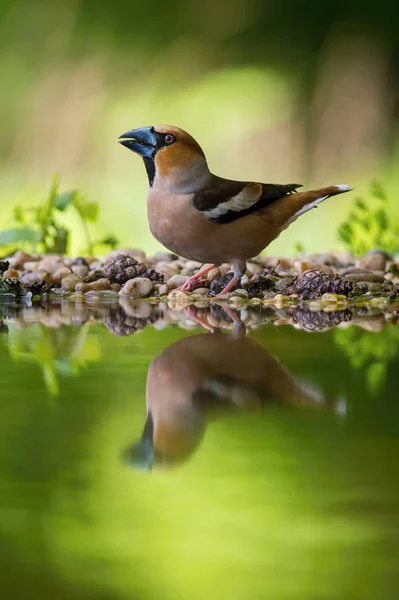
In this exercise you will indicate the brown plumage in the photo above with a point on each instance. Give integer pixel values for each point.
(199, 378)
(206, 218)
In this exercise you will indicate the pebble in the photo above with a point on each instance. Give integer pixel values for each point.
(69, 282)
(133, 252)
(10, 274)
(60, 274)
(19, 259)
(36, 277)
(139, 287)
(358, 275)
(100, 284)
(51, 264)
(176, 281)
(80, 270)
(373, 262)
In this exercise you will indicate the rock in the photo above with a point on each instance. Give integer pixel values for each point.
(161, 257)
(94, 275)
(60, 274)
(375, 261)
(4, 265)
(19, 259)
(240, 293)
(328, 297)
(355, 274)
(213, 274)
(176, 281)
(132, 252)
(139, 287)
(82, 261)
(10, 274)
(36, 278)
(161, 289)
(31, 265)
(193, 265)
(100, 284)
(123, 268)
(51, 264)
(80, 270)
(69, 282)
(203, 291)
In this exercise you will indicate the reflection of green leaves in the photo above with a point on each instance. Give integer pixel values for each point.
(38, 228)
(369, 352)
(370, 225)
(59, 352)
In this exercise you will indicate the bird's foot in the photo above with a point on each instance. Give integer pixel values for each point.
(192, 281)
(189, 285)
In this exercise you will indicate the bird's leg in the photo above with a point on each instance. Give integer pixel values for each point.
(239, 268)
(190, 283)
(192, 314)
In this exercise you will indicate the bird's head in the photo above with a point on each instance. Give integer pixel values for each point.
(168, 152)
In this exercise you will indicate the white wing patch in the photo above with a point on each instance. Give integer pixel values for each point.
(241, 202)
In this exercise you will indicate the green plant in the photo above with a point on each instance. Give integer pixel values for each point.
(369, 353)
(38, 229)
(60, 352)
(370, 224)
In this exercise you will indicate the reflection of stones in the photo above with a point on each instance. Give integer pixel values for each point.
(201, 378)
(319, 320)
(127, 318)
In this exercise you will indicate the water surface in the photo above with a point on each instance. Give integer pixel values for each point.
(259, 467)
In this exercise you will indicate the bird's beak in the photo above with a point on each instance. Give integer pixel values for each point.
(143, 141)
(141, 455)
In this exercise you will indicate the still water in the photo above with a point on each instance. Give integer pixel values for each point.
(150, 458)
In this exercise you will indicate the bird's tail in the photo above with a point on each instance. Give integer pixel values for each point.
(294, 205)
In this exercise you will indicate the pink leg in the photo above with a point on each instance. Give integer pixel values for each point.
(231, 284)
(190, 283)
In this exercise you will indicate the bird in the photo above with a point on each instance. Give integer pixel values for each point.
(210, 219)
(199, 379)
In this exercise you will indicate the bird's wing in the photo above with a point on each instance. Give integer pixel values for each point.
(227, 200)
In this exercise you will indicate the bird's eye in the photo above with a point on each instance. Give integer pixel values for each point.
(169, 138)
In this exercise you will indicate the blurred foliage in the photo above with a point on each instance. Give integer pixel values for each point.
(38, 228)
(371, 224)
(370, 353)
(58, 352)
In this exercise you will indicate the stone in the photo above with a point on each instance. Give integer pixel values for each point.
(100, 284)
(19, 259)
(139, 287)
(176, 281)
(133, 252)
(69, 282)
(51, 264)
(60, 274)
(80, 270)
(355, 274)
(10, 274)
(373, 262)
(35, 278)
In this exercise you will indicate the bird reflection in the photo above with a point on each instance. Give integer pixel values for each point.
(201, 378)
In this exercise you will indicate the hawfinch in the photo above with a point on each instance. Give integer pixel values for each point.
(204, 376)
(206, 218)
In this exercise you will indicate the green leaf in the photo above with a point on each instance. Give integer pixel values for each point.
(360, 204)
(18, 214)
(62, 201)
(382, 219)
(110, 240)
(377, 190)
(21, 234)
(89, 211)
